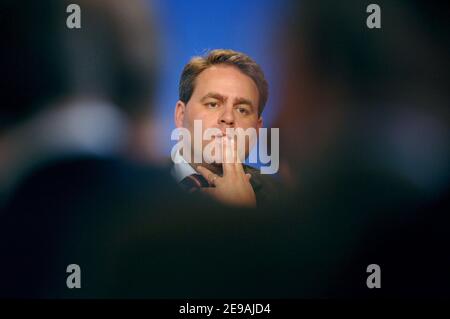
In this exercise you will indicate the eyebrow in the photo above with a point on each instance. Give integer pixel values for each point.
(214, 95)
(241, 100)
(220, 97)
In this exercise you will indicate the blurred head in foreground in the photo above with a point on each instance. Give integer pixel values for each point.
(74, 90)
(364, 134)
(359, 98)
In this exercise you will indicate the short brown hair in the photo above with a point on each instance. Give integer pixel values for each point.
(221, 56)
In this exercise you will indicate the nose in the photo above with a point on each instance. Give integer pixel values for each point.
(227, 116)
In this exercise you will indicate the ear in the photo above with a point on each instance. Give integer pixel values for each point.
(180, 109)
(259, 124)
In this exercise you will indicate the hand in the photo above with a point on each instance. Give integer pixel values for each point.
(234, 187)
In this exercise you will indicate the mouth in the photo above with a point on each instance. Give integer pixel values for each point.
(219, 135)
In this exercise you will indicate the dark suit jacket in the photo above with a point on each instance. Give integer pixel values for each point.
(267, 188)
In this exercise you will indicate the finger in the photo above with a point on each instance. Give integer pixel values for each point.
(240, 146)
(210, 176)
(239, 168)
(234, 166)
(228, 162)
(248, 176)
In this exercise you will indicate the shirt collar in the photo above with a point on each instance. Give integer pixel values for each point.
(181, 168)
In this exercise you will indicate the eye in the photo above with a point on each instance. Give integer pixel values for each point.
(243, 110)
(212, 105)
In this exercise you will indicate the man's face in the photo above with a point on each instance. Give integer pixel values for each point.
(223, 97)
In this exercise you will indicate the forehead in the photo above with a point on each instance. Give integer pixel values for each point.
(226, 80)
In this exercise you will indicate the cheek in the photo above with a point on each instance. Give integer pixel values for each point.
(191, 115)
(195, 112)
(207, 119)
(246, 123)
